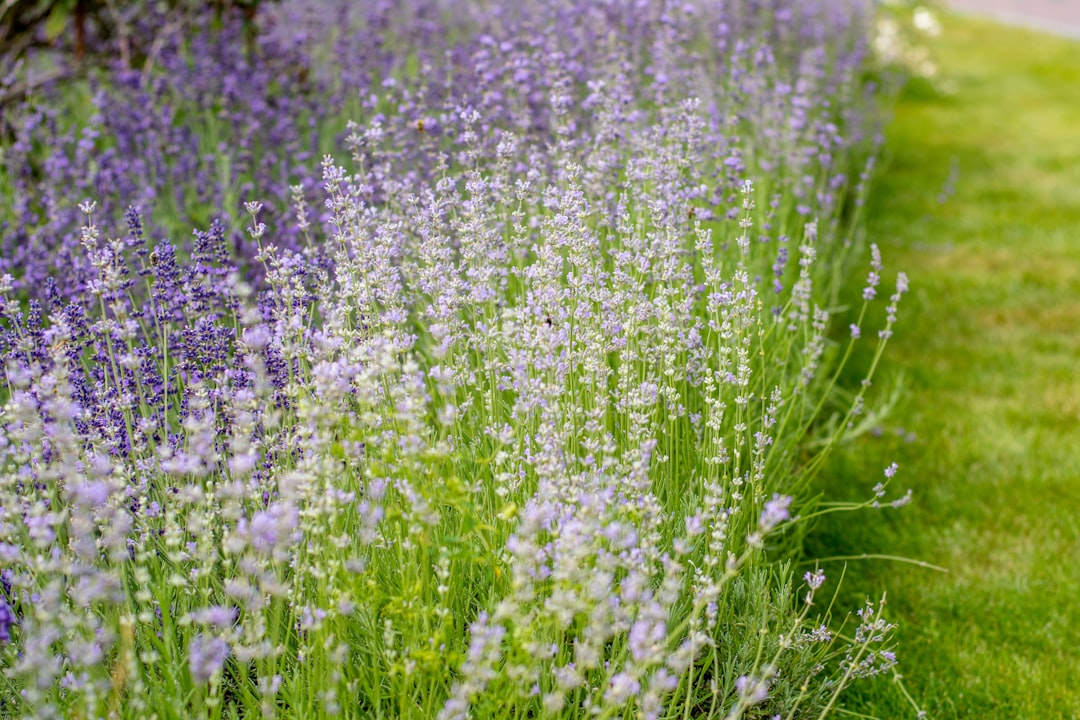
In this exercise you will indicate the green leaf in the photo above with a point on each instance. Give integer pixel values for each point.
(57, 21)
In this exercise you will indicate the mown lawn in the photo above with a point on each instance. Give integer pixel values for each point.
(989, 348)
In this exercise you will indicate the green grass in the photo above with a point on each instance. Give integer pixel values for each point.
(989, 345)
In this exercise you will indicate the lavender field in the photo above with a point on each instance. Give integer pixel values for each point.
(438, 359)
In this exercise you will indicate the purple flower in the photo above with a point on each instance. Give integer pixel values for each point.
(752, 691)
(623, 686)
(815, 579)
(90, 494)
(217, 616)
(206, 657)
(7, 619)
(775, 512)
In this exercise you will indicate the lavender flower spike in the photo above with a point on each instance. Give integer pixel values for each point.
(775, 512)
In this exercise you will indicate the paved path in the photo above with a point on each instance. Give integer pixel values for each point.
(1061, 17)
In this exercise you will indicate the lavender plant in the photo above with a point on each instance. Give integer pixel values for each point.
(514, 426)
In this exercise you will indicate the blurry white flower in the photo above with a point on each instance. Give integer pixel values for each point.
(926, 22)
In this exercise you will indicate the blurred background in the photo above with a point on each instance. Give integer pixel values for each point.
(1057, 16)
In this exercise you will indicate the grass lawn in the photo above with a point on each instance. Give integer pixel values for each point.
(989, 346)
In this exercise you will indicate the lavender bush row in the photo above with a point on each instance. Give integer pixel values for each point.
(209, 122)
(512, 424)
